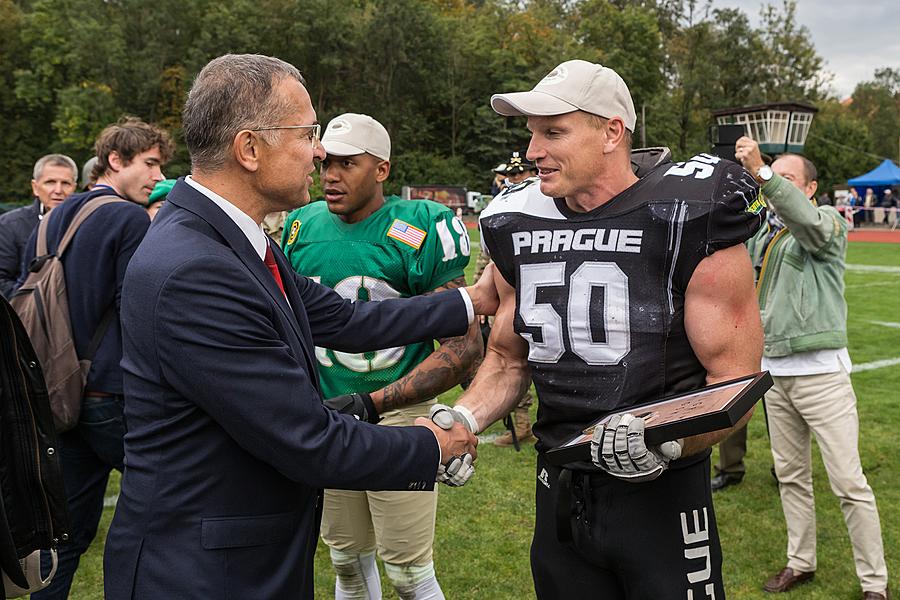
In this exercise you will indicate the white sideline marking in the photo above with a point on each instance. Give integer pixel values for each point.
(110, 501)
(873, 284)
(873, 268)
(876, 364)
(886, 324)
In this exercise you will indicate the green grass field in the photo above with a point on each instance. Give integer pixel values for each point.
(484, 529)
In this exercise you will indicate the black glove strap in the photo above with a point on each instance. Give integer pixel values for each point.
(371, 413)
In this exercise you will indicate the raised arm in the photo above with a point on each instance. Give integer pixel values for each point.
(721, 317)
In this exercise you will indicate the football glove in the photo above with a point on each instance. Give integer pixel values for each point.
(458, 469)
(619, 449)
(444, 416)
(359, 405)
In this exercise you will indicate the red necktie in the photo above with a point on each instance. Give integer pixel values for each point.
(273, 268)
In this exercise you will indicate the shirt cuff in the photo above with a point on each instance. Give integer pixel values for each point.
(436, 441)
(470, 311)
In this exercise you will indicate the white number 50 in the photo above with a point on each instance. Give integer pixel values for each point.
(614, 312)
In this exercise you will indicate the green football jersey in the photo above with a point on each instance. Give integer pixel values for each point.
(406, 248)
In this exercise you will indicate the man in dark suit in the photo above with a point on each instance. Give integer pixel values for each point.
(228, 442)
(54, 179)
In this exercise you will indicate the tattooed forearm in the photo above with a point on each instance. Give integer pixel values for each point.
(453, 362)
(450, 285)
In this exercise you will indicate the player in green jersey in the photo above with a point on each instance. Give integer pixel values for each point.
(370, 247)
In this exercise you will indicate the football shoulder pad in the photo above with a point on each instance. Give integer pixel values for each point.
(720, 190)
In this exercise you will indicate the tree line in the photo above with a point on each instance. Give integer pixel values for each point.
(424, 68)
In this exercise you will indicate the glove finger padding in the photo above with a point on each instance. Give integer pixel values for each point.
(619, 448)
(457, 471)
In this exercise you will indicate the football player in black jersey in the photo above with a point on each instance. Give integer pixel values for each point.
(616, 291)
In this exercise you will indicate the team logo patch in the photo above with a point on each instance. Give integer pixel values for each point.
(557, 75)
(406, 233)
(295, 228)
(757, 205)
(339, 127)
(544, 478)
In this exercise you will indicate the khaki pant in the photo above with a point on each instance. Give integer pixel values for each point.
(825, 406)
(399, 525)
(731, 452)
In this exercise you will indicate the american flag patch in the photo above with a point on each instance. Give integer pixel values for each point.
(406, 233)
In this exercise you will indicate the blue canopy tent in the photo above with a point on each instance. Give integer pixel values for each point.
(884, 175)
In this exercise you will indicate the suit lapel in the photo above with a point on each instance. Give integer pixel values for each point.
(296, 302)
(190, 199)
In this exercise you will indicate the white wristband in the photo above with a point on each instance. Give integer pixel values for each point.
(471, 423)
(467, 300)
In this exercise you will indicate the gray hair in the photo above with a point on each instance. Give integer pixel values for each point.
(232, 92)
(54, 160)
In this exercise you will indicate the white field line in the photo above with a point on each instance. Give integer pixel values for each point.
(876, 364)
(873, 284)
(873, 268)
(886, 324)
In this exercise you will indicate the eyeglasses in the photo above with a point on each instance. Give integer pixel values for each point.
(313, 136)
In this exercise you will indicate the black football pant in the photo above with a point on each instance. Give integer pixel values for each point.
(600, 538)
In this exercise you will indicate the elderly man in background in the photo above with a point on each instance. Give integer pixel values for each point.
(53, 180)
(800, 257)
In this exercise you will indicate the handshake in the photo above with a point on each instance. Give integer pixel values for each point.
(454, 430)
(455, 433)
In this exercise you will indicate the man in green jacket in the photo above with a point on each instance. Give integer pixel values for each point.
(799, 260)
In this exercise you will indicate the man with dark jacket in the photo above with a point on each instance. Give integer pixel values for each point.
(54, 179)
(130, 155)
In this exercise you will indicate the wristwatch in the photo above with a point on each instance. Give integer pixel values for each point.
(764, 174)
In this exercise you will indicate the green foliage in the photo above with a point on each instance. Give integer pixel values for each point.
(81, 113)
(424, 68)
(429, 168)
(877, 103)
(793, 67)
(837, 144)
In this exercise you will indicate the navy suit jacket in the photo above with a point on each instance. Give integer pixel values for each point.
(228, 442)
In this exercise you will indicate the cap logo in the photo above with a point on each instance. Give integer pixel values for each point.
(340, 127)
(557, 75)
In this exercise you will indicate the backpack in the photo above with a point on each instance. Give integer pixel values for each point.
(33, 512)
(43, 307)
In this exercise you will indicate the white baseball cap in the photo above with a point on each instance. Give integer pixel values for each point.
(350, 134)
(573, 85)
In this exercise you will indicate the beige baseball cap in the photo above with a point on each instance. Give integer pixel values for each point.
(573, 85)
(351, 133)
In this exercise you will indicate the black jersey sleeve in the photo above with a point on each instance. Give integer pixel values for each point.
(721, 208)
(491, 247)
(737, 208)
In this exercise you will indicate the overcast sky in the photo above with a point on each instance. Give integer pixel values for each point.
(853, 38)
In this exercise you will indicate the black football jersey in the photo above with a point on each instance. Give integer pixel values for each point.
(600, 295)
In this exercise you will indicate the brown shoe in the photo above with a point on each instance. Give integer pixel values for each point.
(877, 596)
(785, 580)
